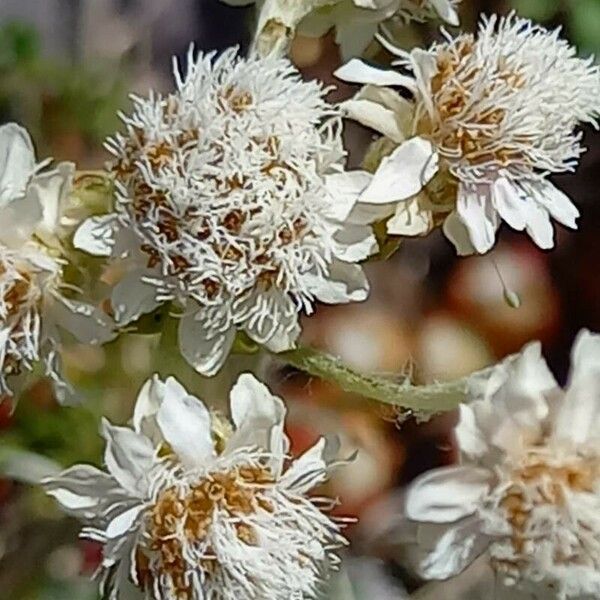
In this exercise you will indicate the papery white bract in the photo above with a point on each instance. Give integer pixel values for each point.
(186, 512)
(232, 202)
(527, 490)
(493, 115)
(355, 21)
(33, 307)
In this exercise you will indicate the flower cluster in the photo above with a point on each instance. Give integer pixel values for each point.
(33, 304)
(527, 491)
(232, 202)
(355, 21)
(192, 508)
(232, 210)
(492, 116)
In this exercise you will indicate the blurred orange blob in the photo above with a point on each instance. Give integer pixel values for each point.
(476, 292)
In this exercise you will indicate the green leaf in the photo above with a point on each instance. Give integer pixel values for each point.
(538, 10)
(584, 24)
(19, 43)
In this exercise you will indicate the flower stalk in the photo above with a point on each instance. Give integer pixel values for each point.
(422, 400)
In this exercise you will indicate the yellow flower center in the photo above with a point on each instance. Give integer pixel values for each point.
(464, 125)
(539, 483)
(179, 518)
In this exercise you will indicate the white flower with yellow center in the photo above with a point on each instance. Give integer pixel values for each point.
(492, 116)
(232, 203)
(33, 308)
(527, 490)
(190, 510)
(355, 21)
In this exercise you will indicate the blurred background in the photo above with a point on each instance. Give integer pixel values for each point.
(66, 67)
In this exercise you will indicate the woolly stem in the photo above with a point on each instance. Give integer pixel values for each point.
(423, 400)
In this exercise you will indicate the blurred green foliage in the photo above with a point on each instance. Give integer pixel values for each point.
(581, 19)
(60, 103)
(65, 434)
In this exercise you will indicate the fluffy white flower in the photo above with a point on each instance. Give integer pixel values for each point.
(493, 115)
(355, 21)
(527, 490)
(32, 305)
(232, 202)
(192, 509)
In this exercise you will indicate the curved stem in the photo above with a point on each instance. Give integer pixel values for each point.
(423, 400)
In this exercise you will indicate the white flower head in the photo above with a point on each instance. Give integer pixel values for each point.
(33, 308)
(527, 491)
(355, 21)
(185, 512)
(232, 202)
(493, 115)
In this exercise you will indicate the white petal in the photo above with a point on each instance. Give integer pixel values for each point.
(539, 227)
(375, 4)
(311, 469)
(85, 507)
(557, 203)
(272, 319)
(17, 161)
(514, 398)
(148, 402)
(458, 234)
(354, 243)
(283, 337)
(381, 109)
(363, 214)
(128, 457)
(394, 123)
(206, 355)
(87, 323)
(123, 523)
(578, 415)
(39, 258)
(146, 406)
(475, 212)
(585, 357)
(81, 489)
(424, 65)
(446, 552)
(410, 219)
(509, 203)
(51, 190)
(530, 381)
(133, 297)
(258, 417)
(251, 399)
(96, 235)
(358, 71)
(446, 494)
(471, 439)
(446, 11)
(373, 115)
(345, 283)
(20, 218)
(185, 425)
(403, 173)
(345, 189)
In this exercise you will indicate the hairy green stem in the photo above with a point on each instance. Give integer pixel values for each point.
(423, 400)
